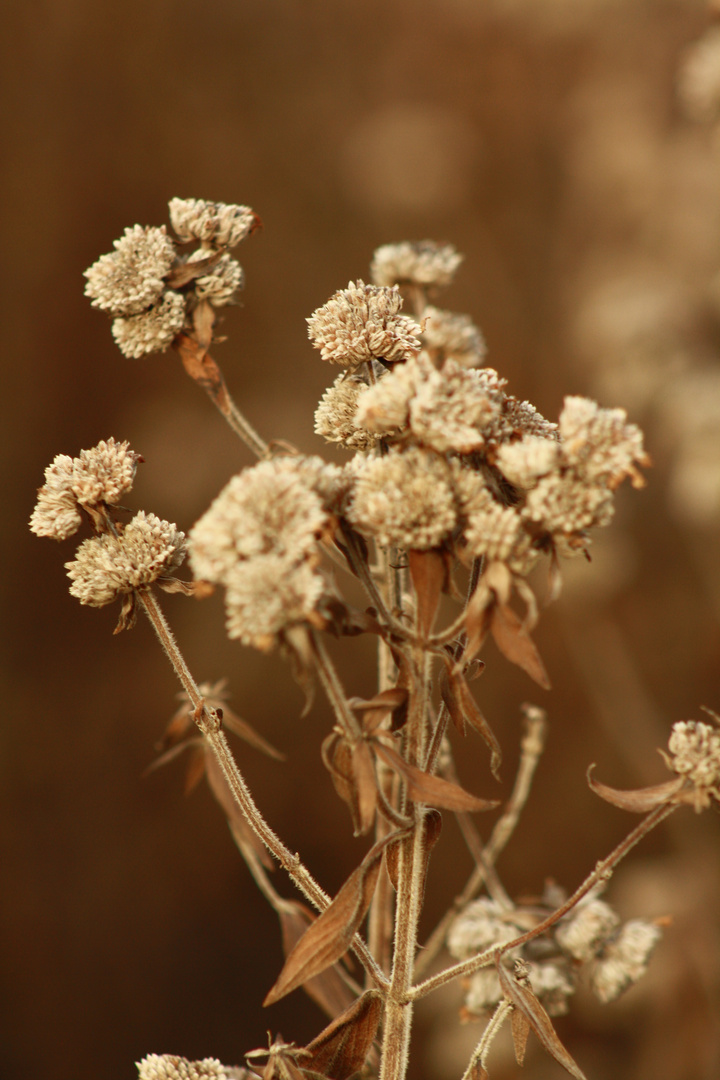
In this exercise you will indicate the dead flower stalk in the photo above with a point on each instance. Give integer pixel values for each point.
(450, 479)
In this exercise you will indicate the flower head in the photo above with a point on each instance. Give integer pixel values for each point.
(625, 959)
(362, 323)
(695, 754)
(420, 263)
(98, 476)
(171, 1067)
(110, 565)
(217, 224)
(335, 416)
(131, 279)
(405, 499)
(452, 337)
(154, 329)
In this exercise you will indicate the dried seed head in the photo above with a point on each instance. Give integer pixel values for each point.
(335, 415)
(625, 959)
(131, 279)
(526, 461)
(695, 754)
(598, 443)
(405, 499)
(385, 408)
(100, 475)
(275, 507)
(418, 263)
(107, 566)
(699, 77)
(362, 323)
(269, 593)
(563, 505)
(217, 224)
(56, 514)
(222, 282)
(452, 337)
(450, 410)
(480, 925)
(586, 931)
(152, 331)
(553, 985)
(497, 532)
(170, 1067)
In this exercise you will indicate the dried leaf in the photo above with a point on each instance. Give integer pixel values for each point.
(422, 787)
(479, 1072)
(353, 775)
(432, 826)
(184, 273)
(639, 801)
(341, 1049)
(429, 575)
(515, 643)
(520, 1028)
(330, 935)
(478, 616)
(527, 1003)
(377, 708)
(462, 707)
(328, 989)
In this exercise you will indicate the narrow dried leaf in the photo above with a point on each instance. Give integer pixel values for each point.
(432, 826)
(526, 1002)
(375, 710)
(330, 935)
(328, 990)
(341, 1049)
(432, 790)
(337, 758)
(240, 727)
(479, 1072)
(366, 784)
(462, 707)
(520, 1028)
(244, 835)
(515, 643)
(639, 801)
(478, 616)
(428, 572)
(185, 272)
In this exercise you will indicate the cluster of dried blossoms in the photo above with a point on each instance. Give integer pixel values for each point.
(450, 475)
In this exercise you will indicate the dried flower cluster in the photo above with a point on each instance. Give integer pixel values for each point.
(590, 944)
(699, 77)
(260, 540)
(449, 472)
(151, 291)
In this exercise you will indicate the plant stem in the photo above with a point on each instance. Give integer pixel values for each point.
(209, 723)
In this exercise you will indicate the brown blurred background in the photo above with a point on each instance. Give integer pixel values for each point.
(545, 139)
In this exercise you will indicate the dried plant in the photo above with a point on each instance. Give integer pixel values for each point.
(454, 488)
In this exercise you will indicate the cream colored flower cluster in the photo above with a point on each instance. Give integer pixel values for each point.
(447, 456)
(259, 539)
(590, 943)
(171, 1067)
(150, 290)
(695, 754)
(120, 558)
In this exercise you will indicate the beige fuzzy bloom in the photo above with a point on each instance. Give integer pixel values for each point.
(100, 475)
(695, 754)
(699, 77)
(216, 224)
(362, 323)
(598, 443)
(335, 415)
(269, 593)
(625, 959)
(171, 1067)
(498, 533)
(107, 566)
(450, 336)
(152, 331)
(446, 409)
(405, 499)
(56, 514)
(222, 282)
(526, 461)
(585, 932)
(450, 410)
(131, 279)
(563, 504)
(421, 262)
(276, 507)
